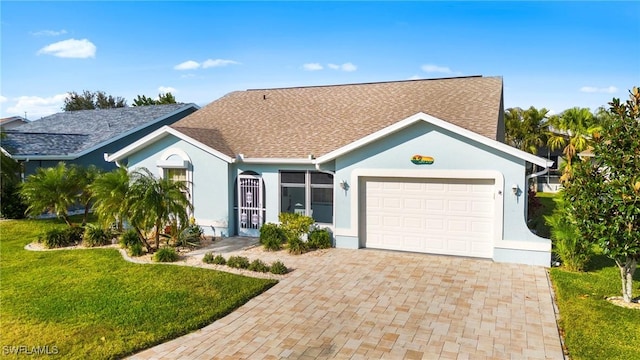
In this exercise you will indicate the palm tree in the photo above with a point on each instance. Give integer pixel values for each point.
(573, 129)
(110, 191)
(83, 177)
(526, 129)
(50, 190)
(155, 202)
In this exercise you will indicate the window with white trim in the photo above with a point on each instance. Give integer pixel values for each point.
(308, 193)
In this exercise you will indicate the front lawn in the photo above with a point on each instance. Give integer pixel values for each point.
(93, 304)
(593, 327)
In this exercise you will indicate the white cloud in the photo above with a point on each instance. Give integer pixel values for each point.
(3, 99)
(49, 32)
(218, 63)
(312, 67)
(592, 89)
(348, 67)
(430, 68)
(415, 77)
(192, 65)
(344, 67)
(72, 48)
(37, 107)
(187, 65)
(167, 89)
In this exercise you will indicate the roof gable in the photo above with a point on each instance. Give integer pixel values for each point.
(68, 135)
(294, 123)
(420, 117)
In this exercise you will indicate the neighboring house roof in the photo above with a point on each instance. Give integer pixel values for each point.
(297, 122)
(12, 122)
(68, 135)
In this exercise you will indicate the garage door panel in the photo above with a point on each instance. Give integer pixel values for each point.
(440, 216)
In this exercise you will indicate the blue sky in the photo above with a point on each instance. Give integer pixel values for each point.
(555, 55)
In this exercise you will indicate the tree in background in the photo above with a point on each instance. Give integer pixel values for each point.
(573, 129)
(526, 129)
(167, 98)
(603, 193)
(92, 100)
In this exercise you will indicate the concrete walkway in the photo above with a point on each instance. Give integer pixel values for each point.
(366, 304)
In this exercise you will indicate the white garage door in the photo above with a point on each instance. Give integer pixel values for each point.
(438, 216)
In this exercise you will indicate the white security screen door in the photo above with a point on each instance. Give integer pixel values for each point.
(250, 206)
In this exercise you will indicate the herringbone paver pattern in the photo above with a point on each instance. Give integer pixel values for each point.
(363, 304)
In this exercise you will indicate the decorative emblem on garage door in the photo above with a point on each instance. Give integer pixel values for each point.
(422, 160)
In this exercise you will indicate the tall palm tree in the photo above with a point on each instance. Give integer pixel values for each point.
(573, 129)
(155, 202)
(83, 177)
(526, 129)
(50, 190)
(110, 191)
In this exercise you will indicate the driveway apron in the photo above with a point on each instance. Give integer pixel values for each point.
(364, 304)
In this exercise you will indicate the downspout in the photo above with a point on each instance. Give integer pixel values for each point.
(324, 171)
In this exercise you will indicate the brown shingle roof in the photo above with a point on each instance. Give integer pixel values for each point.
(297, 122)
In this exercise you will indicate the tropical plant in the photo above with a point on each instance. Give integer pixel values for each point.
(573, 250)
(50, 190)
(526, 129)
(110, 192)
(130, 238)
(154, 203)
(573, 131)
(83, 178)
(604, 193)
(166, 254)
(96, 236)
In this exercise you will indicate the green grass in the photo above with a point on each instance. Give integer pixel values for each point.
(93, 304)
(548, 204)
(593, 327)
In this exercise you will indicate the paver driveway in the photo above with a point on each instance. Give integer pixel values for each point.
(362, 304)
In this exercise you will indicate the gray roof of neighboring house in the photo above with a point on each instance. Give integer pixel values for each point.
(296, 122)
(72, 132)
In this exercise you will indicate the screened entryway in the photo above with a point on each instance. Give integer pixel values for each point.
(251, 210)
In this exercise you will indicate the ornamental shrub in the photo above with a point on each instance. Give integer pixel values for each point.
(129, 238)
(297, 246)
(278, 268)
(96, 236)
(294, 225)
(272, 237)
(319, 239)
(238, 262)
(166, 254)
(136, 249)
(259, 266)
(57, 238)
